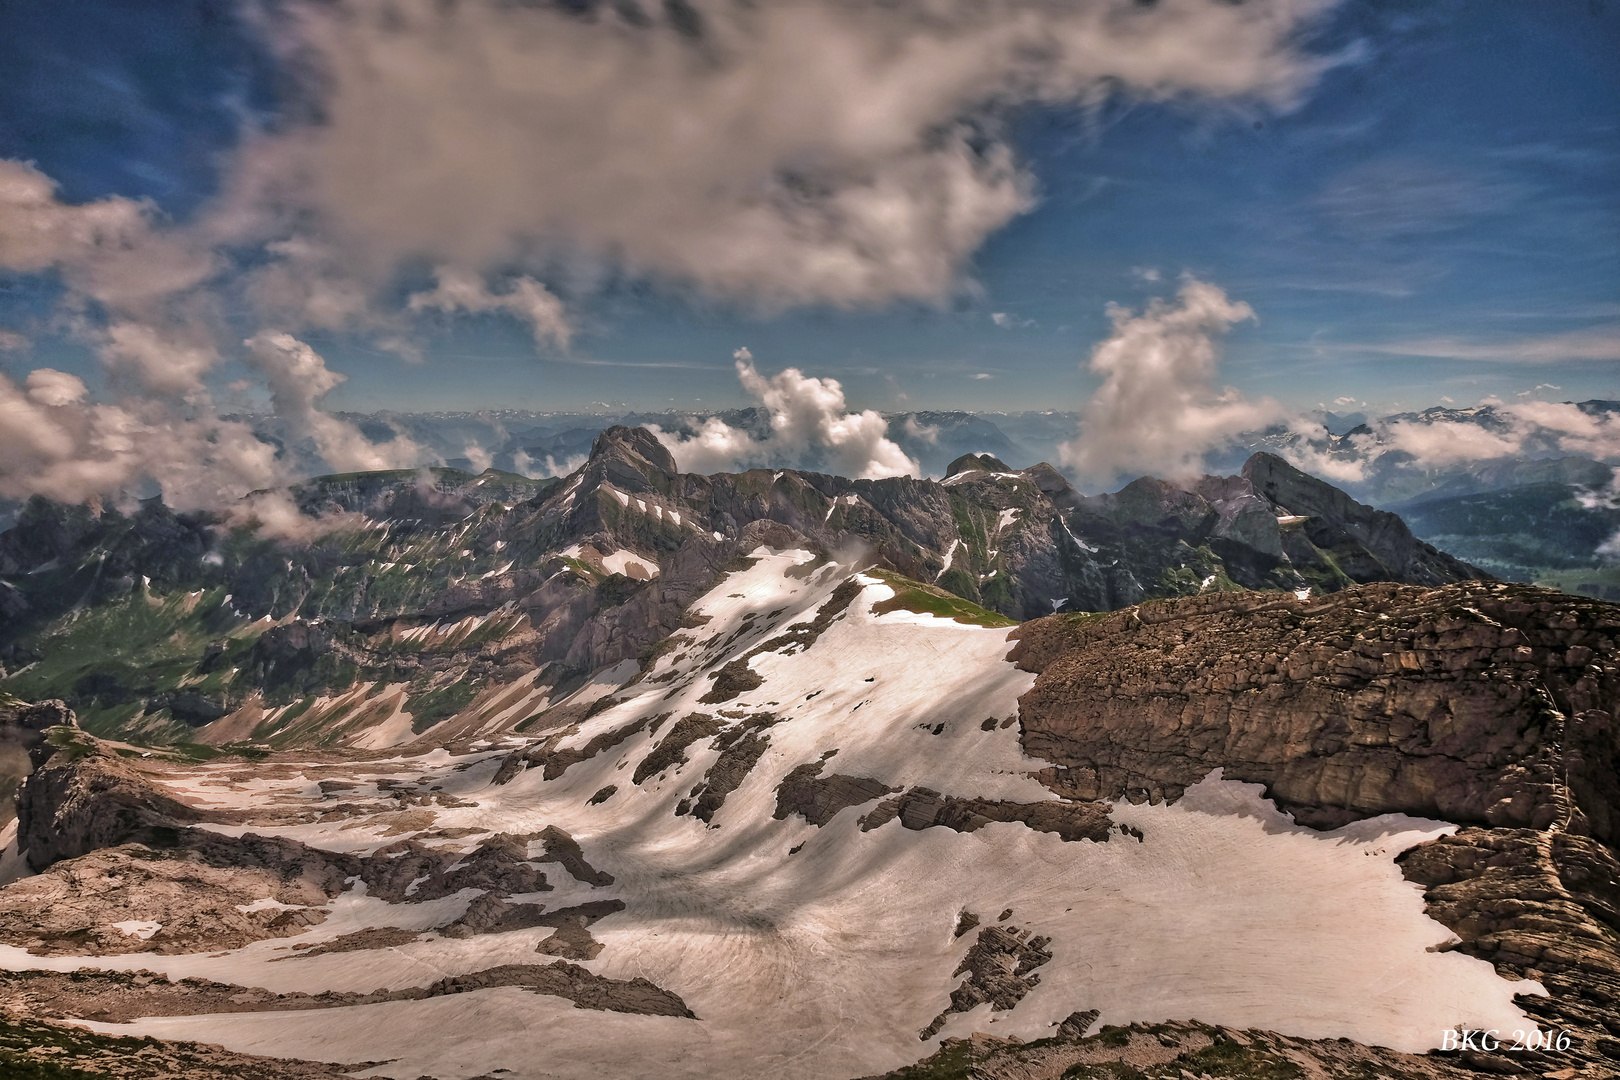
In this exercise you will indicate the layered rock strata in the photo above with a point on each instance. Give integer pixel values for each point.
(1489, 705)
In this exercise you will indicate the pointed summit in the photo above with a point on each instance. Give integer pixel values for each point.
(632, 459)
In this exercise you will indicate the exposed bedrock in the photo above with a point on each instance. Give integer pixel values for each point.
(70, 806)
(1538, 905)
(22, 743)
(24, 725)
(922, 808)
(123, 996)
(115, 849)
(1489, 705)
(1000, 968)
(818, 799)
(1478, 703)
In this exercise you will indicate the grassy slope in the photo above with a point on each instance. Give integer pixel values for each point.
(915, 596)
(144, 644)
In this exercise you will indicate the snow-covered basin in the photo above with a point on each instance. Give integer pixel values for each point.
(827, 963)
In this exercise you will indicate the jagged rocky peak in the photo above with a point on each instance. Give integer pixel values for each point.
(1053, 484)
(632, 459)
(1150, 501)
(44, 530)
(1366, 544)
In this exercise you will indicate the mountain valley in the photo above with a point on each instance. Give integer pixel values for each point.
(653, 774)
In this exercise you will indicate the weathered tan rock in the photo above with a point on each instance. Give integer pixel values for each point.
(818, 799)
(1490, 705)
(1476, 703)
(76, 804)
(1538, 905)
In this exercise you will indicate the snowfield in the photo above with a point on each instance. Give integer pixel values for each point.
(823, 952)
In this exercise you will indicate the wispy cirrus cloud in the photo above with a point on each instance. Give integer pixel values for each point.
(1596, 343)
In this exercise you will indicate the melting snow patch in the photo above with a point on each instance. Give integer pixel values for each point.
(630, 565)
(137, 928)
(1224, 909)
(603, 683)
(1078, 542)
(266, 904)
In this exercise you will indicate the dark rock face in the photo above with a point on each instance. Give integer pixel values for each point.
(69, 808)
(573, 940)
(1000, 968)
(1475, 703)
(741, 746)
(977, 462)
(563, 849)
(1538, 905)
(1366, 544)
(24, 725)
(22, 744)
(671, 749)
(920, 808)
(557, 760)
(817, 798)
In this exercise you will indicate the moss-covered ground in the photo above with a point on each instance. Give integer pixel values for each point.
(924, 599)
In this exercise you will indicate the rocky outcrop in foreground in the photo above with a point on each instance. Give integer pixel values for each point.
(22, 743)
(32, 1048)
(1188, 1049)
(1477, 703)
(1489, 705)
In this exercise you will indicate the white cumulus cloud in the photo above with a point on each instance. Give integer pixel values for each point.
(1157, 410)
(527, 299)
(299, 379)
(823, 151)
(809, 418)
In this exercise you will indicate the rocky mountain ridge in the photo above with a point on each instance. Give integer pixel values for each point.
(420, 596)
(1486, 705)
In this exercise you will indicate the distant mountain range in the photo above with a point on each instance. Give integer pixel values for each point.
(634, 765)
(554, 443)
(449, 585)
(1548, 517)
(1541, 515)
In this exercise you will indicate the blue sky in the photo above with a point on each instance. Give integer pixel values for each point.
(1437, 218)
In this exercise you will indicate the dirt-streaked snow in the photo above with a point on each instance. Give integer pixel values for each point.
(826, 963)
